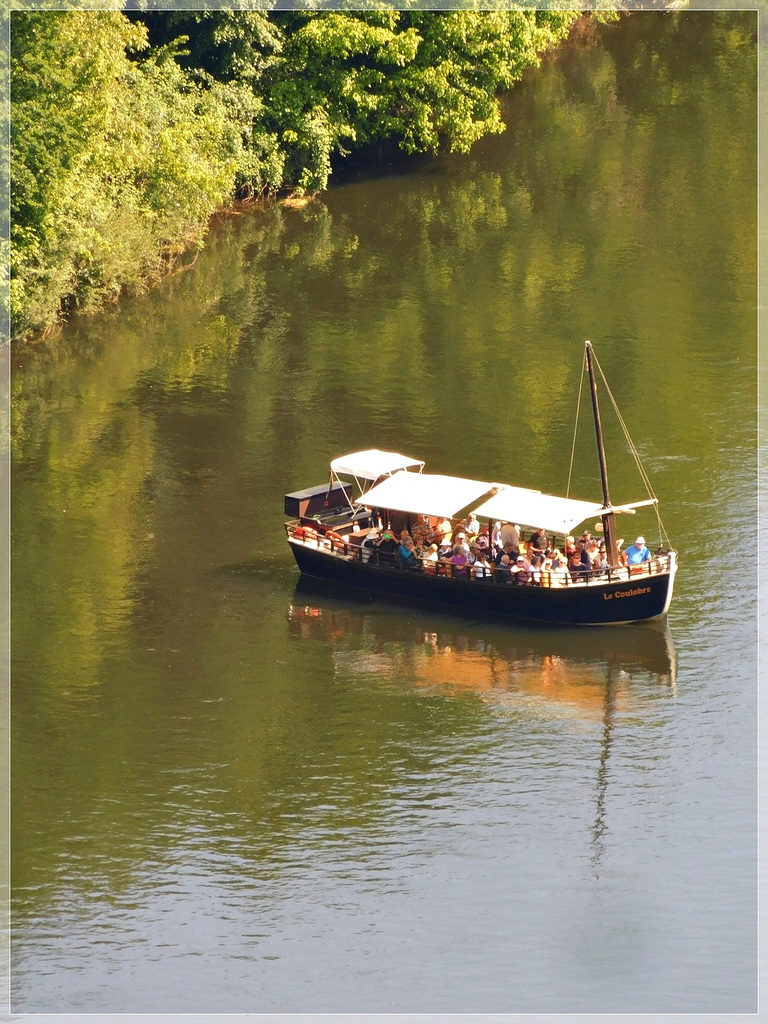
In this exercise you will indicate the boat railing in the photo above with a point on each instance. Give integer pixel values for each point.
(337, 545)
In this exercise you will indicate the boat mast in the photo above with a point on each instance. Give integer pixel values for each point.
(609, 519)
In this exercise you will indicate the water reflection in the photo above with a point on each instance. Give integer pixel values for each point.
(551, 672)
(592, 676)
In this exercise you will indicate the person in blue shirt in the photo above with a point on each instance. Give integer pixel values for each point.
(638, 552)
(407, 556)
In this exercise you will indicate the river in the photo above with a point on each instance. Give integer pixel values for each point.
(236, 792)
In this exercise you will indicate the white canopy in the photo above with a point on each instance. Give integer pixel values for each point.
(532, 508)
(446, 496)
(372, 464)
(425, 493)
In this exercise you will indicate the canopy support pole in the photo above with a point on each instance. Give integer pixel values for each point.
(609, 519)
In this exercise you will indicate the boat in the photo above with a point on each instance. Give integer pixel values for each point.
(372, 492)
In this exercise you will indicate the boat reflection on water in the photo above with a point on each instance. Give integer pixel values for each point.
(552, 672)
(588, 676)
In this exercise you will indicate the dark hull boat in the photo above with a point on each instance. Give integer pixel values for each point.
(600, 601)
(328, 529)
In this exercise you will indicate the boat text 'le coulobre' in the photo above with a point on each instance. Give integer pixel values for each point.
(382, 525)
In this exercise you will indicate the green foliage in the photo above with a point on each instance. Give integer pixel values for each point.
(429, 80)
(117, 166)
(128, 132)
(229, 45)
(67, 69)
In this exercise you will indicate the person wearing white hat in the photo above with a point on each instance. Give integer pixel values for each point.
(638, 552)
(369, 545)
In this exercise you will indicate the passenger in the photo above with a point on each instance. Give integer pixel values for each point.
(545, 572)
(496, 542)
(474, 551)
(576, 568)
(483, 539)
(570, 548)
(521, 572)
(445, 548)
(503, 571)
(407, 557)
(472, 526)
(593, 553)
(369, 545)
(537, 563)
(554, 572)
(539, 543)
(507, 551)
(430, 536)
(557, 559)
(430, 559)
(419, 541)
(510, 533)
(638, 553)
(459, 560)
(461, 539)
(387, 548)
(482, 569)
(600, 559)
(444, 531)
(584, 552)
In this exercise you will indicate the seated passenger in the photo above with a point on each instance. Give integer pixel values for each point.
(503, 572)
(430, 559)
(638, 553)
(537, 563)
(508, 551)
(576, 568)
(472, 526)
(446, 548)
(545, 572)
(483, 539)
(593, 553)
(553, 573)
(369, 545)
(444, 531)
(407, 557)
(387, 549)
(584, 553)
(598, 555)
(419, 543)
(482, 569)
(459, 560)
(557, 559)
(460, 538)
(521, 572)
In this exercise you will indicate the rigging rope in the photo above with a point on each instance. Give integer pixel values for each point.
(635, 454)
(575, 429)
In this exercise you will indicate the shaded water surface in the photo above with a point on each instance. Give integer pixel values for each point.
(236, 791)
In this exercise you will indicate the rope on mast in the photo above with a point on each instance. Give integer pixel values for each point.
(576, 428)
(635, 454)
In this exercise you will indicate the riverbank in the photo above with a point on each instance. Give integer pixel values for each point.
(125, 148)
